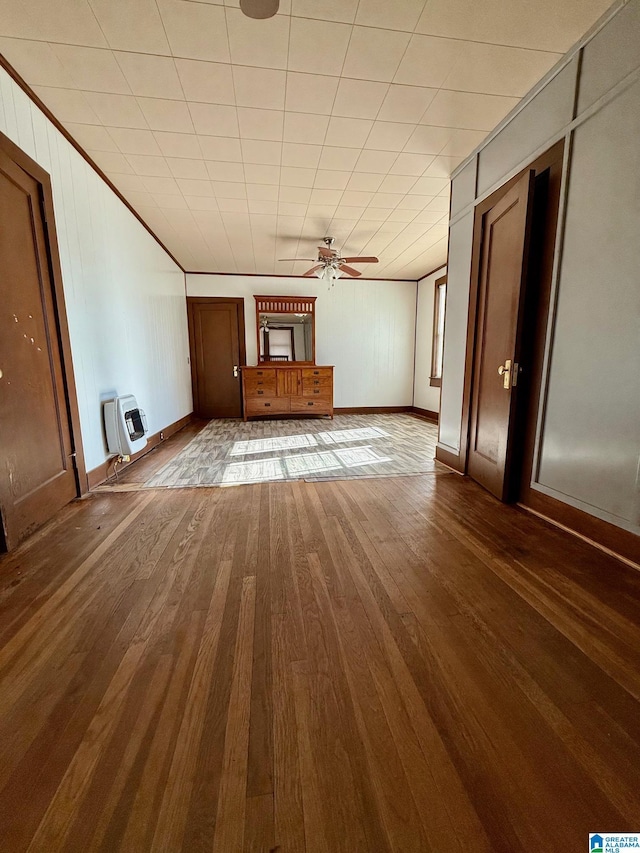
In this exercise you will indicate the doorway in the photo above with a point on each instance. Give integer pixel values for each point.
(217, 344)
(512, 262)
(41, 468)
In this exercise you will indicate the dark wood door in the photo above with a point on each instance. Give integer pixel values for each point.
(501, 285)
(216, 335)
(37, 471)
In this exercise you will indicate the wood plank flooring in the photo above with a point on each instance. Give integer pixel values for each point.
(400, 664)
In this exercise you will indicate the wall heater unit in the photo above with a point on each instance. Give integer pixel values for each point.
(126, 426)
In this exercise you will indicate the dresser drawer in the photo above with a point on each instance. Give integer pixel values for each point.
(269, 406)
(304, 404)
(317, 384)
(319, 392)
(311, 373)
(260, 386)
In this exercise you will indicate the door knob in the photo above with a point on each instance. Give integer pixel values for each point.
(505, 371)
(235, 370)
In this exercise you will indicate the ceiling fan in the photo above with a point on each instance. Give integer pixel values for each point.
(329, 265)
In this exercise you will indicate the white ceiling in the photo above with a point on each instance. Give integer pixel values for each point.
(242, 141)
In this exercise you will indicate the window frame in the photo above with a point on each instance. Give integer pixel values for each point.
(439, 293)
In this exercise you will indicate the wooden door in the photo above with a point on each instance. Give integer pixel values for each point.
(501, 285)
(216, 336)
(37, 463)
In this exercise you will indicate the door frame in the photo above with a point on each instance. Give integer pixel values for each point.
(43, 179)
(242, 346)
(538, 280)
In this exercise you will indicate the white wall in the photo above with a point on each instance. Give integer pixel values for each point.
(365, 328)
(124, 295)
(424, 395)
(588, 442)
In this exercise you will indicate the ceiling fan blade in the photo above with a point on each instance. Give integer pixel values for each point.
(361, 260)
(312, 270)
(349, 270)
(259, 9)
(297, 259)
(325, 253)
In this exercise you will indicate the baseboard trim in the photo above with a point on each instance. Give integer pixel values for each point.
(387, 410)
(427, 414)
(451, 460)
(98, 475)
(602, 534)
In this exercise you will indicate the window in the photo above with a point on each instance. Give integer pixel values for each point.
(438, 331)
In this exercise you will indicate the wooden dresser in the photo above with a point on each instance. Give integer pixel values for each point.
(287, 390)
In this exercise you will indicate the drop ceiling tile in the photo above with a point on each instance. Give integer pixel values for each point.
(330, 10)
(428, 140)
(214, 120)
(346, 212)
(197, 188)
(498, 70)
(375, 214)
(293, 177)
(178, 144)
(305, 128)
(220, 148)
(316, 212)
(386, 199)
(442, 166)
(206, 82)
(256, 206)
(261, 151)
(111, 161)
(406, 103)
(201, 202)
(116, 110)
(357, 198)
(428, 61)
(331, 179)
(462, 142)
(169, 202)
(429, 186)
(411, 164)
(226, 189)
(359, 98)
(260, 124)
(402, 215)
(42, 20)
(415, 202)
(128, 182)
(397, 184)
(374, 54)
(375, 161)
(131, 26)
(133, 141)
(297, 154)
(261, 174)
(439, 204)
(262, 192)
(326, 196)
(338, 158)
(388, 136)
(261, 43)
(37, 62)
(92, 69)
(348, 132)
(473, 111)
(259, 87)
(195, 30)
(182, 167)
(67, 104)
(166, 115)
(310, 93)
(365, 181)
(161, 185)
(286, 208)
(398, 15)
(144, 164)
(150, 76)
(233, 205)
(91, 136)
(297, 195)
(220, 171)
(318, 47)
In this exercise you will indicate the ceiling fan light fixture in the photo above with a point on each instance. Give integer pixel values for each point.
(259, 9)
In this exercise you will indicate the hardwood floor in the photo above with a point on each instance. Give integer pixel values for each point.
(375, 665)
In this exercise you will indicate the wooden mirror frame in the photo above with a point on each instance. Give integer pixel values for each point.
(286, 305)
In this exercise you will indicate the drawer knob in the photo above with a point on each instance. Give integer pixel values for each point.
(266, 405)
(260, 392)
(310, 404)
(316, 381)
(316, 391)
(260, 382)
(316, 373)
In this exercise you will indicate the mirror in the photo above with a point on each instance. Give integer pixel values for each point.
(285, 329)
